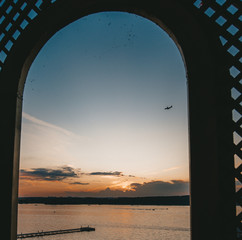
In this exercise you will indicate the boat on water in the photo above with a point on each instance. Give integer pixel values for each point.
(87, 229)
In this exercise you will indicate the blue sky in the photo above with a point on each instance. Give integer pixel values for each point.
(94, 101)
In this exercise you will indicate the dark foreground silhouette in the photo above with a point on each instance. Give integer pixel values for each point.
(164, 200)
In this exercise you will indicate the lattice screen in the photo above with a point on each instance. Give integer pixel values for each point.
(227, 16)
(16, 15)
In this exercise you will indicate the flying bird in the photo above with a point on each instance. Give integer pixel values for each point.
(167, 108)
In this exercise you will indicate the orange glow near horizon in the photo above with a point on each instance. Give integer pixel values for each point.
(31, 188)
(88, 185)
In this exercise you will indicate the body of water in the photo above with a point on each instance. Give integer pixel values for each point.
(112, 222)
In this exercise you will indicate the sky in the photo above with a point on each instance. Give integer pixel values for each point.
(94, 122)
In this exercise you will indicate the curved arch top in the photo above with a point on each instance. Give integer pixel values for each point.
(211, 164)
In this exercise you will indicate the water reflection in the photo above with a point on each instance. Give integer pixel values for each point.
(111, 222)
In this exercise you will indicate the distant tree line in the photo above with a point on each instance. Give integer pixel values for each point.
(164, 200)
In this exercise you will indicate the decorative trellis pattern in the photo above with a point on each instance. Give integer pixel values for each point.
(225, 15)
(15, 16)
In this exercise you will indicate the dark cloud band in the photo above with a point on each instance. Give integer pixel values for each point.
(49, 174)
(147, 189)
(78, 183)
(116, 173)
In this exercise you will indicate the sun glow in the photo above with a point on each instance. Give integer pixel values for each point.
(123, 186)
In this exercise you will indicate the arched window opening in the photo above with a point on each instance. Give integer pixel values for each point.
(105, 116)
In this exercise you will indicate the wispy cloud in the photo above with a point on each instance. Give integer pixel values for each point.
(46, 124)
(45, 144)
(171, 169)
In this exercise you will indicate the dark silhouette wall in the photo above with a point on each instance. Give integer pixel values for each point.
(207, 63)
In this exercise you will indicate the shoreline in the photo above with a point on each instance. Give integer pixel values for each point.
(159, 200)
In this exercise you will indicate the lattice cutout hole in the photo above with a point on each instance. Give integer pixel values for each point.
(235, 93)
(223, 40)
(236, 116)
(233, 50)
(221, 2)
(234, 72)
(16, 34)
(3, 56)
(232, 29)
(221, 20)
(237, 161)
(237, 138)
(209, 12)
(232, 9)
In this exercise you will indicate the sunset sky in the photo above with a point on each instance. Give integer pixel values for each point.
(93, 119)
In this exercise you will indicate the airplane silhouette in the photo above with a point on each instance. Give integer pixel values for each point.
(167, 108)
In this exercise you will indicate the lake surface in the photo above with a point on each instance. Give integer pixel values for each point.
(112, 222)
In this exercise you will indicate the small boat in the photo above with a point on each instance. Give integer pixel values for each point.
(87, 229)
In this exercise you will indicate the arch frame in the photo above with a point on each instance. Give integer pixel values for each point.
(210, 128)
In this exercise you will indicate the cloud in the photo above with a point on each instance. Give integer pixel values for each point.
(46, 124)
(116, 173)
(171, 169)
(79, 183)
(153, 188)
(45, 144)
(159, 188)
(48, 174)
